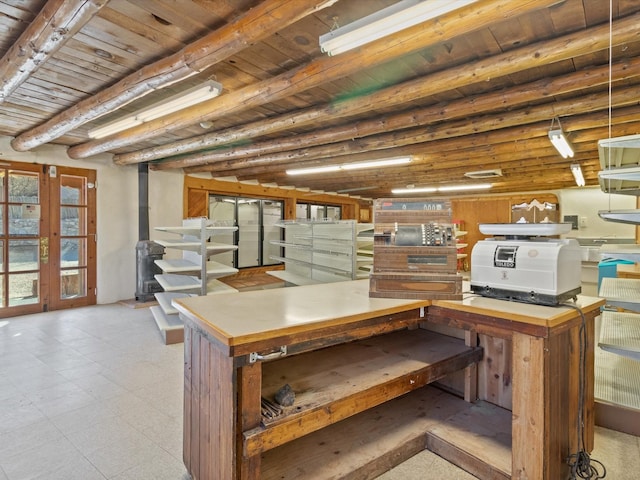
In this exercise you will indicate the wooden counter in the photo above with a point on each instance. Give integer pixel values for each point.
(361, 367)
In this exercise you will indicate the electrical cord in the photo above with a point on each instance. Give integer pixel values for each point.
(581, 464)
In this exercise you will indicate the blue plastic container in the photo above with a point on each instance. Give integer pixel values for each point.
(609, 268)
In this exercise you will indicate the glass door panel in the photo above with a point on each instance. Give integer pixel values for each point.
(271, 215)
(223, 210)
(256, 220)
(47, 238)
(23, 241)
(73, 237)
(248, 232)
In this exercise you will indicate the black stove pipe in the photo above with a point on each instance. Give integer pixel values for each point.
(143, 201)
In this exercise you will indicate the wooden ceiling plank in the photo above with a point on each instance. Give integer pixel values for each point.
(541, 53)
(58, 21)
(321, 70)
(465, 108)
(269, 16)
(405, 142)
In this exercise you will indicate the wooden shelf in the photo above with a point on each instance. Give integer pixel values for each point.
(332, 384)
(365, 445)
(477, 439)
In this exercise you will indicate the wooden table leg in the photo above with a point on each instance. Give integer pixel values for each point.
(249, 417)
(528, 428)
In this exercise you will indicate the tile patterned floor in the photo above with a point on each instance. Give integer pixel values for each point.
(94, 394)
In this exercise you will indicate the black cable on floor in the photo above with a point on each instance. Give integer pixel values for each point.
(582, 465)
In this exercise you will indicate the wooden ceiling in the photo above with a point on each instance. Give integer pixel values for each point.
(476, 89)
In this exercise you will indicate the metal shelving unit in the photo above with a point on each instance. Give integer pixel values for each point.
(193, 274)
(324, 251)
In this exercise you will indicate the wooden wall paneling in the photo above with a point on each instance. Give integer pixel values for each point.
(197, 204)
(196, 197)
(494, 371)
(476, 210)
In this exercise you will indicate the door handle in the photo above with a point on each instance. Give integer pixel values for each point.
(44, 249)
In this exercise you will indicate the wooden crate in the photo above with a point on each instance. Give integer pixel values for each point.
(418, 286)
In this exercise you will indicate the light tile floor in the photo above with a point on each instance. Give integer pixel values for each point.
(93, 394)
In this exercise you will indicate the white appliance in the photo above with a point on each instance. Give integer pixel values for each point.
(521, 265)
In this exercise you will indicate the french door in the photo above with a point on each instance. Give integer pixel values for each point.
(47, 238)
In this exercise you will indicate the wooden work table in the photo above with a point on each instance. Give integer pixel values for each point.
(506, 403)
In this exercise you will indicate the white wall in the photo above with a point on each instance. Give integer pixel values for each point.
(117, 224)
(586, 202)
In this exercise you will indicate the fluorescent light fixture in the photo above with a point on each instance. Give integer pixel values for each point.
(452, 188)
(192, 96)
(401, 191)
(387, 21)
(305, 171)
(577, 174)
(559, 139)
(561, 143)
(114, 127)
(387, 162)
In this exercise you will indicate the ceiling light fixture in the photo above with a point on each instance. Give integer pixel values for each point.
(192, 96)
(387, 162)
(559, 140)
(452, 188)
(576, 170)
(392, 19)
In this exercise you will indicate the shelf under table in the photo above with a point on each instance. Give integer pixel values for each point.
(332, 384)
(370, 443)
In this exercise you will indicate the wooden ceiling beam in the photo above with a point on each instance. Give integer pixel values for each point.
(321, 70)
(443, 161)
(447, 130)
(258, 23)
(56, 23)
(463, 108)
(496, 66)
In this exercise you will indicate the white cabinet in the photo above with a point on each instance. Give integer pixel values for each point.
(193, 274)
(317, 251)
